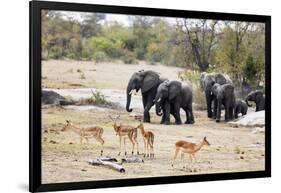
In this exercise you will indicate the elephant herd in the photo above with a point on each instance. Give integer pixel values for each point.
(169, 96)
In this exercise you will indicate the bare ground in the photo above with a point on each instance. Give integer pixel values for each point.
(65, 160)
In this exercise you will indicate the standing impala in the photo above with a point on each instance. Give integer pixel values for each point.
(148, 139)
(189, 148)
(86, 133)
(124, 131)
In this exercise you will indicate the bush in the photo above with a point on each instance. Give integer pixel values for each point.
(191, 75)
(129, 57)
(199, 98)
(55, 52)
(198, 95)
(96, 99)
(100, 56)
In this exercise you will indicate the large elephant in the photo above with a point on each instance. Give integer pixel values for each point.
(148, 81)
(257, 97)
(224, 95)
(207, 80)
(173, 95)
(240, 107)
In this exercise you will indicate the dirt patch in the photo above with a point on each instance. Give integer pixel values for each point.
(231, 150)
(65, 160)
(67, 74)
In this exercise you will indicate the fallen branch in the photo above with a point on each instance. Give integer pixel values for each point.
(109, 162)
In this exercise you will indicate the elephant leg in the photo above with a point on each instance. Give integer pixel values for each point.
(187, 115)
(236, 112)
(218, 111)
(209, 106)
(172, 111)
(146, 106)
(190, 112)
(226, 112)
(215, 107)
(162, 119)
(231, 113)
(177, 114)
(167, 113)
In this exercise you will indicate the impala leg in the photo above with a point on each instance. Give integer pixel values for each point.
(182, 159)
(193, 155)
(101, 141)
(144, 142)
(147, 150)
(175, 156)
(190, 158)
(125, 145)
(81, 140)
(152, 151)
(136, 141)
(120, 141)
(133, 143)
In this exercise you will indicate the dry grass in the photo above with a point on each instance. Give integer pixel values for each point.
(67, 74)
(65, 160)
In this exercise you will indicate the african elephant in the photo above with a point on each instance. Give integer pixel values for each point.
(257, 97)
(224, 95)
(240, 107)
(148, 81)
(207, 80)
(174, 95)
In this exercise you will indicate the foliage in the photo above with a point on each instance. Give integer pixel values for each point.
(193, 76)
(100, 56)
(235, 48)
(129, 57)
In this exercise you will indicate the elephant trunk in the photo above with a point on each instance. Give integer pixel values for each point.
(158, 109)
(129, 95)
(247, 101)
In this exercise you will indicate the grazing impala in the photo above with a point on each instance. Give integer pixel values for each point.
(124, 131)
(189, 148)
(148, 139)
(86, 133)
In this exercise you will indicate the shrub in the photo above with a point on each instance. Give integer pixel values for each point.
(100, 56)
(129, 57)
(96, 99)
(56, 52)
(199, 98)
(198, 95)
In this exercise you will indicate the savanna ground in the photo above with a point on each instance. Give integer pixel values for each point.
(65, 160)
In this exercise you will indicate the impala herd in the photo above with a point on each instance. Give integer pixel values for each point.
(131, 132)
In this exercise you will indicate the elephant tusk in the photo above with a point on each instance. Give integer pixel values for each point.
(158, 100)
(132, 91)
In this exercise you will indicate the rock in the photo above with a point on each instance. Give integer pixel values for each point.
(53, 98)
(133, 159)
(252, 119)
(258, 130)
(53, 142)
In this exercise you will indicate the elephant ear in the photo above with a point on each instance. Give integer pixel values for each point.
(174, 89)
(151, 79)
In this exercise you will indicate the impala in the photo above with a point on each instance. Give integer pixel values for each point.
(148, 139)
(86, 133)
(189, 148)
(124, 131)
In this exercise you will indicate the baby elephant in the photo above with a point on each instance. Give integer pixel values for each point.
(240, 107)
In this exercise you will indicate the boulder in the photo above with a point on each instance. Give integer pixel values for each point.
(53, 98)
(252, 119)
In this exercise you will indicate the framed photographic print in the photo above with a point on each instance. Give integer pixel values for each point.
(123, 96)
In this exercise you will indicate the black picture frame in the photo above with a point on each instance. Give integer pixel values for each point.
(35, 8)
